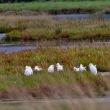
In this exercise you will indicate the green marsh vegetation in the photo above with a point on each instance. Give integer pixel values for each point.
(50, 5)
(12, 68)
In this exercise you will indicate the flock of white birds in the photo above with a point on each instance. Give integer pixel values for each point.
(29, 71)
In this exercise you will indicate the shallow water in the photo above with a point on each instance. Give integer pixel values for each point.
(16, 48)
(10, 48)
(81, 16)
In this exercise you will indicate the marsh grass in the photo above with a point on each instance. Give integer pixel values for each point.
(39, 28)
(49, 85)
(43, 83)
(46, 6)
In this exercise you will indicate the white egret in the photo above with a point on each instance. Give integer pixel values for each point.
(82, 68)
(93, 68)
(51, 68)
(28, 71)
(59, 67)
(37, 68)
(76, 69)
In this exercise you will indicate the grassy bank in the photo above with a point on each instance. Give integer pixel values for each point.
(12, 68)
(42, 6)
(35, 28)
(57, 7)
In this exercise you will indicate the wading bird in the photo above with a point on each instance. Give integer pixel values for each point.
(51, 68)
(93, 69)
(37, 68)
(76, 69)
(28, 71)
(82, 68)
(59, 67)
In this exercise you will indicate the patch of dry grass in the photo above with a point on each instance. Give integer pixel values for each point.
(66, 104)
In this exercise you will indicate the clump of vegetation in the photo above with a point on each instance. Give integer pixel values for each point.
(30, 35)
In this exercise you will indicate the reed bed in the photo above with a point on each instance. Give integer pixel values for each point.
(43, 27)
